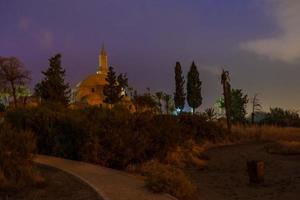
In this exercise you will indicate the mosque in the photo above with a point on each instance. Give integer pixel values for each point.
(90, 90)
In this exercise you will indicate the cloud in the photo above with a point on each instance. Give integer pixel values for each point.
(24, 23)
(286, 45)
(216, 71)
(45, 38)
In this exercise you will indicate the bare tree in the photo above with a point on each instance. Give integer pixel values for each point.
(256, 106)
(13, 75)
(227, 97)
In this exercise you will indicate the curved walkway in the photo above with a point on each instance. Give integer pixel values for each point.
(110, 184)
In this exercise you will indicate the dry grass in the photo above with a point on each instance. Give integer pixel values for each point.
(283, 140)
(170, 179)
(189, 154)
(284, 147)
(264, 133)
(168, 175)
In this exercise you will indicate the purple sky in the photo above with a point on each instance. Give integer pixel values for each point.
(258, 41)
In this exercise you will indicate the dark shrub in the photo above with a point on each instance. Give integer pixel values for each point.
(198, 128)
(16, 154)
(57, 132)
(114, 138)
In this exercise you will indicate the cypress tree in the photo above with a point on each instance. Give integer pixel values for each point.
(179, 95)
(194, 97)
(53, 89)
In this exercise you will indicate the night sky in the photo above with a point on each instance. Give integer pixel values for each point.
(258, 41)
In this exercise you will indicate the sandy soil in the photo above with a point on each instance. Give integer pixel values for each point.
(59, 186)
(226, 176)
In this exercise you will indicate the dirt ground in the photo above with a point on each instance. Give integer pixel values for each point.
(226, 175)
(59, 186)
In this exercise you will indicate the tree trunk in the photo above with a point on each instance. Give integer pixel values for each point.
(167, 107)
(252, 117)
(24, 101)
(253, 108)
(226, 93)
(14, 93)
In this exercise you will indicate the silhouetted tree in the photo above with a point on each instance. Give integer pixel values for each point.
(194, 97)
(111, 90)
(116, 87)
(256, 106)
(227, 97)
(238, 105)
(179, 95)
(13, 75)
(53, 89)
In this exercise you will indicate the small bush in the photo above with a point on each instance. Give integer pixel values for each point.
(187, 155)
(169, 179)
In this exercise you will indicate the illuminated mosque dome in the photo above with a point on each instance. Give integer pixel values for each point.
(90, 90)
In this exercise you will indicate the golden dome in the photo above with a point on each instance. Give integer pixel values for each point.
(90, 90)
(93, 79)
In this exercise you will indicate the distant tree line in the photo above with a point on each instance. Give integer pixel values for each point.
(279, 117)
(53, 89)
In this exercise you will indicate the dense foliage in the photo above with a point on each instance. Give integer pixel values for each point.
(147, 103)
(280, 117)
(239, 102)
(238, 105)
(115, 138)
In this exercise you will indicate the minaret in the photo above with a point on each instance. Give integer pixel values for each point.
(103, 63)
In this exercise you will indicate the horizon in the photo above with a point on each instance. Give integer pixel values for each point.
(256, 41)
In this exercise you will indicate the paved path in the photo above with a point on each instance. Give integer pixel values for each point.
(110, 184)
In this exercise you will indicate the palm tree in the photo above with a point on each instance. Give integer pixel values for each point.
(227, 96)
